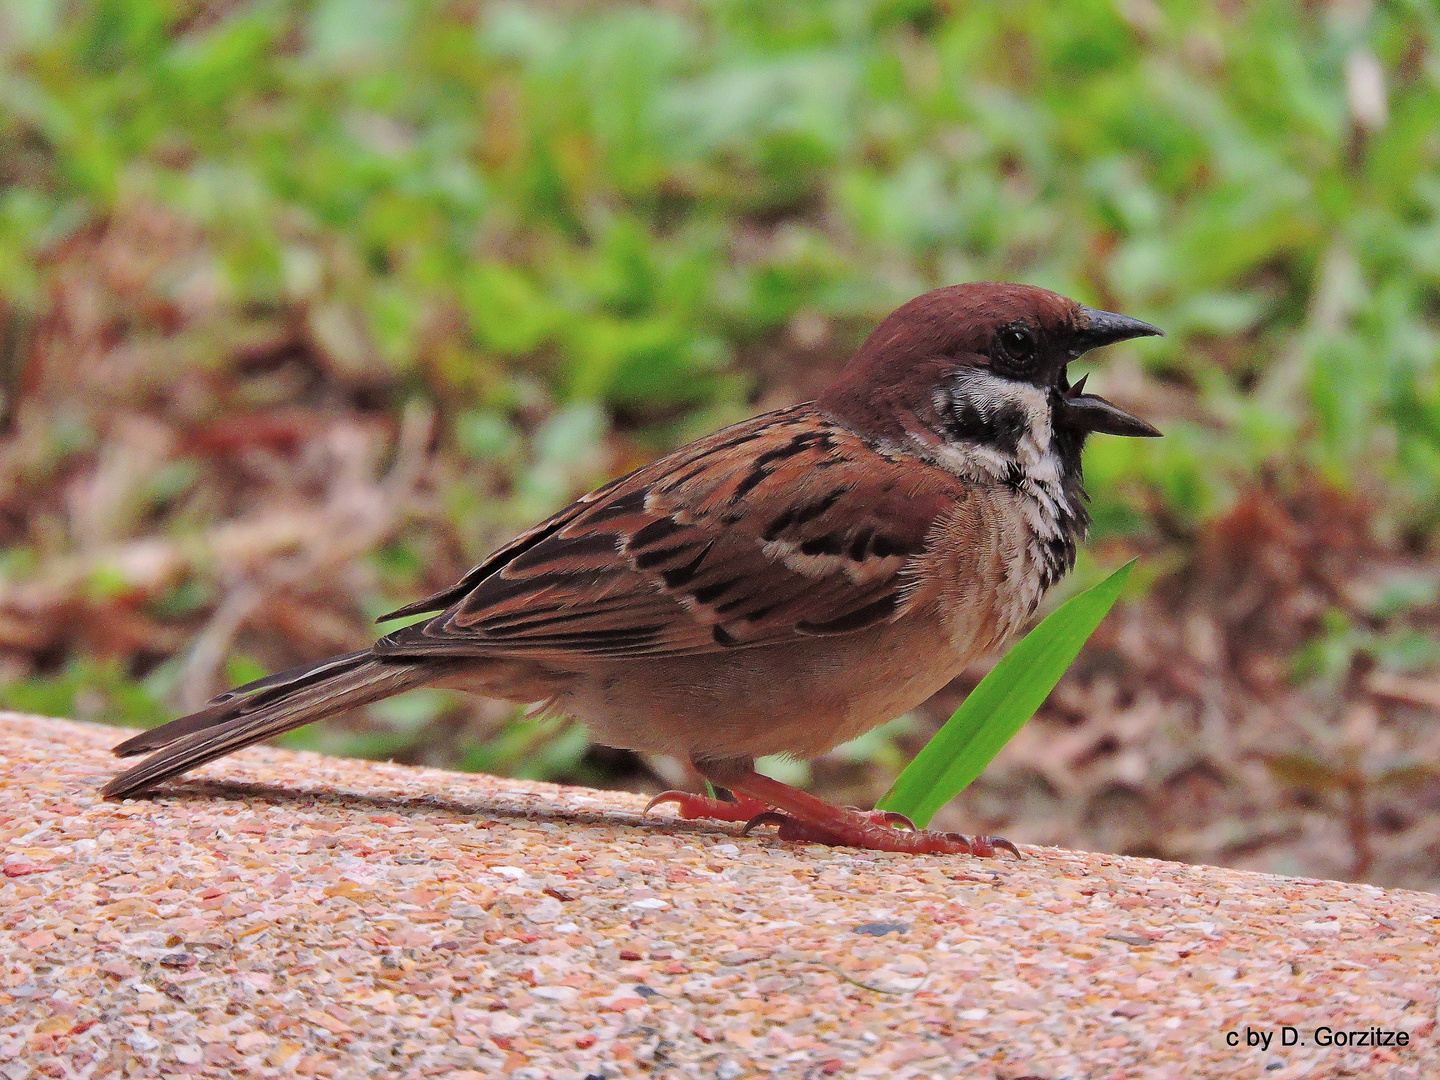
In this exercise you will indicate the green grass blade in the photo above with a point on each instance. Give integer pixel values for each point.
(997, 708)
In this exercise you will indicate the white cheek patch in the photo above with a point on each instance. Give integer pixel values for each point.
(998, 401)
(998, 432)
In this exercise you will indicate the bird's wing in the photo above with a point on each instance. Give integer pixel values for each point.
(788, 524)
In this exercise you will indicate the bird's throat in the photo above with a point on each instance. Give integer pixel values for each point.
(999, 433)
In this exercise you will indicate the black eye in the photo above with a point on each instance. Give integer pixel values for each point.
(1017, 344)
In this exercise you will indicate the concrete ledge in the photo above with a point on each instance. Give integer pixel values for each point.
(294, 914)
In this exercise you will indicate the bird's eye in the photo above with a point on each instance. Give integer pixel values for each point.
(1017, 344)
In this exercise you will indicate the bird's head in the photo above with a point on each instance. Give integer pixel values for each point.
(984, 364)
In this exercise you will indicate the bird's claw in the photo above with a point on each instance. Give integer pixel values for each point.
(893, 818)
(984, 847)
(664, 797)
(769, 817)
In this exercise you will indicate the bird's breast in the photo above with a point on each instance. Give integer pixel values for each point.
(986, 570)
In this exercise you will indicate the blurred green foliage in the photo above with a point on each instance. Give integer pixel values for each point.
(619, 199)
(623, 212)
(89, 689)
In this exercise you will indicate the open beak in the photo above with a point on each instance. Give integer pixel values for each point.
(1090, 412)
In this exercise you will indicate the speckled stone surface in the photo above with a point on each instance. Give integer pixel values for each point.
(289, 914)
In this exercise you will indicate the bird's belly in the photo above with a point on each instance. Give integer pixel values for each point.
(800, 698)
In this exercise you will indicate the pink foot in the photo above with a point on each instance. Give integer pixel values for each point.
(693, 806)
(880, 830)
(877, 830)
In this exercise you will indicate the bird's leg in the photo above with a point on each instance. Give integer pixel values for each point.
(804, 818)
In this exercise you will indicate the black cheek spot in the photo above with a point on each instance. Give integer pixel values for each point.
(859, 543)
(1001, 427)
(965, 423)
(1010, 426)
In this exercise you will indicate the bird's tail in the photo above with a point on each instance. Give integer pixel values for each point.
(259, 710)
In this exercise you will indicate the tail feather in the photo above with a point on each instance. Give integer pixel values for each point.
(290, 678)
(224, 707)
(259, 710)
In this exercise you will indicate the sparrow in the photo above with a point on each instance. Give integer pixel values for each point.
(778, 587)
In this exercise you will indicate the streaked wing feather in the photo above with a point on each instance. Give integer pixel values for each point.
(501, 556)
(786, 525)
